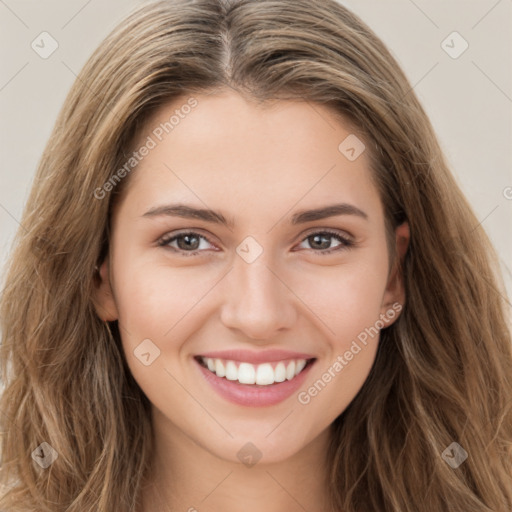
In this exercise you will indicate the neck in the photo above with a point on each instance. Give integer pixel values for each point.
(186, 476)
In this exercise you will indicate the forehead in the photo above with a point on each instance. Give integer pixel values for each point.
(226, 149)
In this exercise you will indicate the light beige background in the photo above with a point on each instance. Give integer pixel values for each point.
(469, 99)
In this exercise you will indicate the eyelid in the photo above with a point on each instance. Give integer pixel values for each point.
(348, 240)
(332, 231)
(165, 239)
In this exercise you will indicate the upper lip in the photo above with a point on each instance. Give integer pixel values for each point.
(262, 356)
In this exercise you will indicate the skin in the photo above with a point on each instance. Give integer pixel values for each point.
(258, 165)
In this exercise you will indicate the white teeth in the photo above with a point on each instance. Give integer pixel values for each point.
(219, 368)
(246, 373)
(231, 371)
(300, 366)
(262, 374)
(290, 370)
(280, 373)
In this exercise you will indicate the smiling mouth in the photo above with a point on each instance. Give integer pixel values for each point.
(263, 374)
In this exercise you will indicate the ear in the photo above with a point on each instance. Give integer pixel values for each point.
(103, 298)
(395, 291)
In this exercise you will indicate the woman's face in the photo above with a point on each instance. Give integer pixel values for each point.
(251, 236)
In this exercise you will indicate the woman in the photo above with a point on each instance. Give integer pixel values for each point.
(249, 278)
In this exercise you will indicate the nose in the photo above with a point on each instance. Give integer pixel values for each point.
(258, 302)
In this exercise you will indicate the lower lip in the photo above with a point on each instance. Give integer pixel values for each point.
(252, 395)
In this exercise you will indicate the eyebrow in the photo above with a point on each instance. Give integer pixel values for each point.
(301, 217)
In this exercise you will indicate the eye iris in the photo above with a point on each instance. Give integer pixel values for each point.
(191, 242)
(188, 244)
(321, 241)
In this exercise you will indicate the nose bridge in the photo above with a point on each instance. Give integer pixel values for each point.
(257, 302)
(259, 286)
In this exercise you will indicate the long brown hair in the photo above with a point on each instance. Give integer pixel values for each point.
(443, 370)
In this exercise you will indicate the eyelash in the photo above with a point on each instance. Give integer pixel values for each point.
(345, 242)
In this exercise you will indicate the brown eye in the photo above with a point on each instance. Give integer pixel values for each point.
(188, 242)
(322, 241)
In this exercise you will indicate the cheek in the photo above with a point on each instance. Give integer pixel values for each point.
(348, 302)
(154, 299)
(346, 299)
(158, 310)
